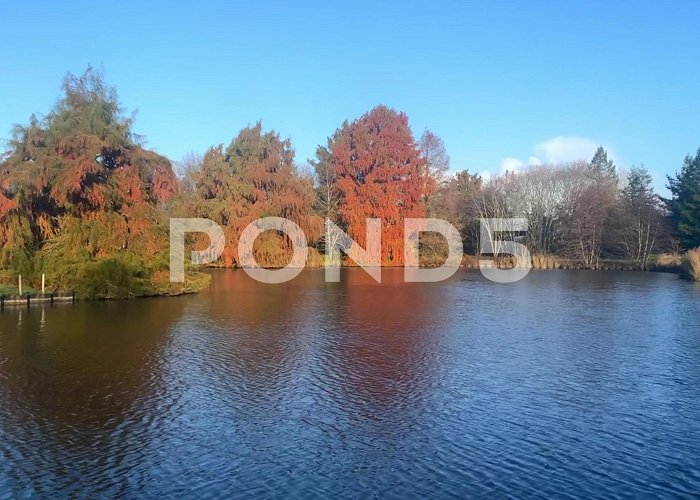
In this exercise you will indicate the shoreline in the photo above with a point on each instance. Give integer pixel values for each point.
(472, 262)
(202, 279)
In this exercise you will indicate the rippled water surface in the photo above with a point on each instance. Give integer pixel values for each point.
(574, 384)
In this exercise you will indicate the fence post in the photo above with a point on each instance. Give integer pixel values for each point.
(43, 284)
(20, 284)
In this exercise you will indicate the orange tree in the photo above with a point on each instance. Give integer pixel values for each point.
(254, 177)
(377, 171)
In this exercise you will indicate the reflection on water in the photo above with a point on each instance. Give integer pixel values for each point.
(575, 383)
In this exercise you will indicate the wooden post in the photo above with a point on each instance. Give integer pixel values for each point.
(43, 284)
(2, 302)
(51, 298)
(20, 284)
(28, 299)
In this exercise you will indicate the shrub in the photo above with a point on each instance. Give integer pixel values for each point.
(108, 279)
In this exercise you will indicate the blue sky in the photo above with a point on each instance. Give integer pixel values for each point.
(503, 83)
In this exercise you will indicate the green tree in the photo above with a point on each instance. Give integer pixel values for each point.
(601, 167)
(684, 203)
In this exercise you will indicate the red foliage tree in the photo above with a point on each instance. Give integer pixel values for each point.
(377, 171)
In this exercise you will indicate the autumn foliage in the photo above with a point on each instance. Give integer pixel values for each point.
(254, 177)
(82, 199)
(377, 171)
(78, 188)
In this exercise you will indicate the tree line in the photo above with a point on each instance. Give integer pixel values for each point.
(83, 199)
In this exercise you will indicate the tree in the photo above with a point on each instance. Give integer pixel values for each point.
(455, 202)
(601, 167)
(592, 210)
(328, 198)
(540, 195)
(494, 201)
(642, 216)
(187, 168)
(590, 213)
(377, 170)
(684, 204)
(78, 187)
(437, 164)
(254, 177)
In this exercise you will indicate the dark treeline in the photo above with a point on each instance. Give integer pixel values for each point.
(82, 199)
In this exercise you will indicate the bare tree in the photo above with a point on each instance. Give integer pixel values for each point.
(455, 202)
(497, 201)
(542, 194)
(437, 165)
(556, 201)
(187, 168)
(643, 216)
(327, 203)
(589, 215)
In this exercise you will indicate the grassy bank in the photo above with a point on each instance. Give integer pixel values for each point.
(687, 264)
(122, 278)
(112, 278)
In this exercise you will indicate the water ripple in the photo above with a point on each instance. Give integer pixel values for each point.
(566, 384)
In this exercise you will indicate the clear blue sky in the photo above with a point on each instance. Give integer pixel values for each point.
(501, 82)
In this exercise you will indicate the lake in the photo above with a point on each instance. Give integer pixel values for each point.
(568, 384)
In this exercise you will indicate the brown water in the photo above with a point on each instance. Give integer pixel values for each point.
(572, 384)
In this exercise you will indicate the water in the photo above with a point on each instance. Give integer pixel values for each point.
(568, 384)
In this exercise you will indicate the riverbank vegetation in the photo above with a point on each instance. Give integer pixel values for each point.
(691, 264)
(83, 201)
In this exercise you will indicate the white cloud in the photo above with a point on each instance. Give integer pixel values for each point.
(515, 165)
(566, 148)
(486, 175)
(560, 149)
(534, 161)
(511, 164)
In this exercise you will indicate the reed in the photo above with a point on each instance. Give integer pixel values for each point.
(667, 262)
(691, 264)
(541, 261)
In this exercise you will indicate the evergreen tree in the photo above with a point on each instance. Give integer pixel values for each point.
(601, 167)
(684, 203)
